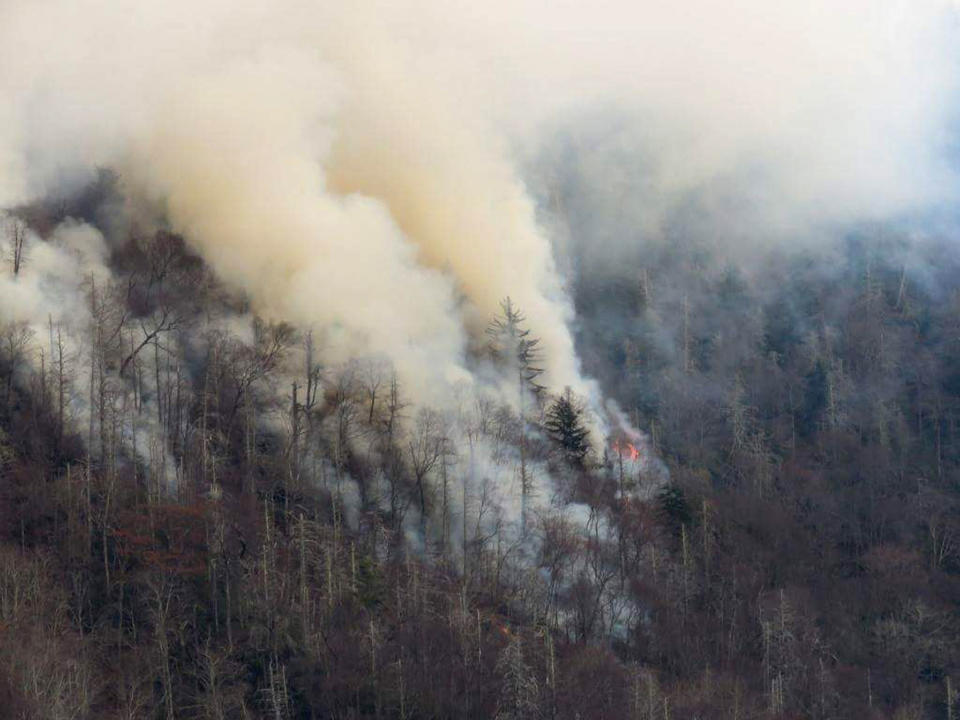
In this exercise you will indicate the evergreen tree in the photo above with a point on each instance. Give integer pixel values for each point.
(815, 400)
(674, 510)
(511, 344)
(564, 425)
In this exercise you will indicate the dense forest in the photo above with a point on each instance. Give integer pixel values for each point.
(201, 521)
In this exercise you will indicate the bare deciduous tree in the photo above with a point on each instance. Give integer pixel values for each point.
(17, 239)
(425, 448)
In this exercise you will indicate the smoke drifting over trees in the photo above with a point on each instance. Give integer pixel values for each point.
(285, 140)
(467, 360)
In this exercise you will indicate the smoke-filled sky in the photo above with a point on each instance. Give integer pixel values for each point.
(365, 167)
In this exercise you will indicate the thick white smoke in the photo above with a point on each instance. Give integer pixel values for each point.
(354, 166)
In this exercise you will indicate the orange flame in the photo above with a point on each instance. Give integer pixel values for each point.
(626, 450)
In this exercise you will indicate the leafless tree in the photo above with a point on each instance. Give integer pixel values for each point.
(520, 694)
(164, 320)
(425, 448)
(373, 373)
(17, 237)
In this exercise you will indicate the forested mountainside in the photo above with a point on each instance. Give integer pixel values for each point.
(200, 520)
(458, 360)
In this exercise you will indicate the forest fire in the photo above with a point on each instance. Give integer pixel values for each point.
(625, 449)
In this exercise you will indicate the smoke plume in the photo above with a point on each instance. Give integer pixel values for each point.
(369, 168)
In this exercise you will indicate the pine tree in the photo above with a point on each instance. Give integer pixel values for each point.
(511, 344)
(816, 398)
(564, 424)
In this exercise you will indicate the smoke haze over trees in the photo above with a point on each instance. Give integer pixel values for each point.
(458, 360)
